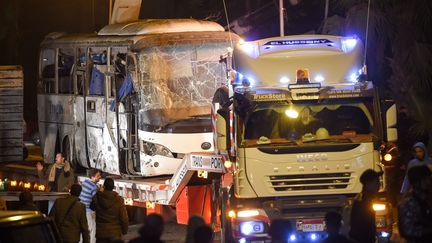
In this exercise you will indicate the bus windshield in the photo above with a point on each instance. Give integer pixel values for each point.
(178, 83)
(309, 123)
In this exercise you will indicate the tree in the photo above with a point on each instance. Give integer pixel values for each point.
(411, 62)
(399, 51)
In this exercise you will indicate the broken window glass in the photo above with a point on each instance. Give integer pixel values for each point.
(178, 84)
(48, 71)
(99, 59)
(65, 69)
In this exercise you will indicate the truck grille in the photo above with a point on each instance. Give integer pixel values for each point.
(310, 181)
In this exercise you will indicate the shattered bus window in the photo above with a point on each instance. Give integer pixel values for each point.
(178, 86)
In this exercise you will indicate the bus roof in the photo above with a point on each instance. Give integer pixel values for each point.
(159, 26)
(136, 42)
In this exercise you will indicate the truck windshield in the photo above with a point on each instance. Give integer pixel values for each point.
(178, 83)
(309, 123)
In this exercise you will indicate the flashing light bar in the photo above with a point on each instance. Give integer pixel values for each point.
(305, 86)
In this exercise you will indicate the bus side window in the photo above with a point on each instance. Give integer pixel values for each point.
(118, 63)
(81, 69)
(48, 71)
(65, 67)
(98, 57)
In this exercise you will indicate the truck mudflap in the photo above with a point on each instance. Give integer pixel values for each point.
(146, 192)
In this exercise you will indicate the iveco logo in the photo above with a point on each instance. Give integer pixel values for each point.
(311, 157)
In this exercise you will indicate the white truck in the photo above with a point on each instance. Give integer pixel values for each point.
(305, 125)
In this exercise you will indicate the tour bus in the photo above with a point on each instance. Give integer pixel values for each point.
(132, 99)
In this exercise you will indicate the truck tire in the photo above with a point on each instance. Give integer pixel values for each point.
(226, 230)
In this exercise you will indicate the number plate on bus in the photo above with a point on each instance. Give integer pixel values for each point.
(310, 225)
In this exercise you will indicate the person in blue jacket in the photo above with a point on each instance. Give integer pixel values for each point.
(421, 157)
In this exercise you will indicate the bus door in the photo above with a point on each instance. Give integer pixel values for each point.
(130, 102)
(80, 77)
(64, 102)
(96, 106)
(116, 125)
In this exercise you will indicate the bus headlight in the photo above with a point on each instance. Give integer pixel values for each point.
(251, 227)
(153, 149)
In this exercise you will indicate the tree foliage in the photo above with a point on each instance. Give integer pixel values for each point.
(399, 51)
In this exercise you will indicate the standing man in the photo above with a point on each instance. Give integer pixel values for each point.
(60, 175)
(90, 188)
(363, 229)
(111, 215)
(70, 217)
(421, 157)
(415, 211)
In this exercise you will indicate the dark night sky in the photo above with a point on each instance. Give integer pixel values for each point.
(24, 23)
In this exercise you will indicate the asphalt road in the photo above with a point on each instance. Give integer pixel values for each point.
(173, 233)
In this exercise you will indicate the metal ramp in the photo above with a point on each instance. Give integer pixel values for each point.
(166, 190)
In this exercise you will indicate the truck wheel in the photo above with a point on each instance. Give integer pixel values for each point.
(226, 231)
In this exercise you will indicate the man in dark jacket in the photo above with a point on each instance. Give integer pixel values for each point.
(111, 215)
(363, 229)
(60, 175)
(70, 216)
(26, 201)
(415, 211)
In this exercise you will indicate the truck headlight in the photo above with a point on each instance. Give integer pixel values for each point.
(388, 157)
(247, 213)
(251, 227)
(153, 149)
(379, 207)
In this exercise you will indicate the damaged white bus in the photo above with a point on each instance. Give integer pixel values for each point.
(132, 99)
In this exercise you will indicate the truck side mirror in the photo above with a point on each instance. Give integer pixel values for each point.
(223, 129)
(391, 122)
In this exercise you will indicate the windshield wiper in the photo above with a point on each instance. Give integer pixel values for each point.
(201, 116)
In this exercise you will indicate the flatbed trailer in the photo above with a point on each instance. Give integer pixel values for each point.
(192, 190)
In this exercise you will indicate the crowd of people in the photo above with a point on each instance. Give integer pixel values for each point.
(94, 214)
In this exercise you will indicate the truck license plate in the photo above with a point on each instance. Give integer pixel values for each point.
(310, 225)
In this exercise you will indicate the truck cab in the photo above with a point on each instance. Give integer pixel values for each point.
(306, 124)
